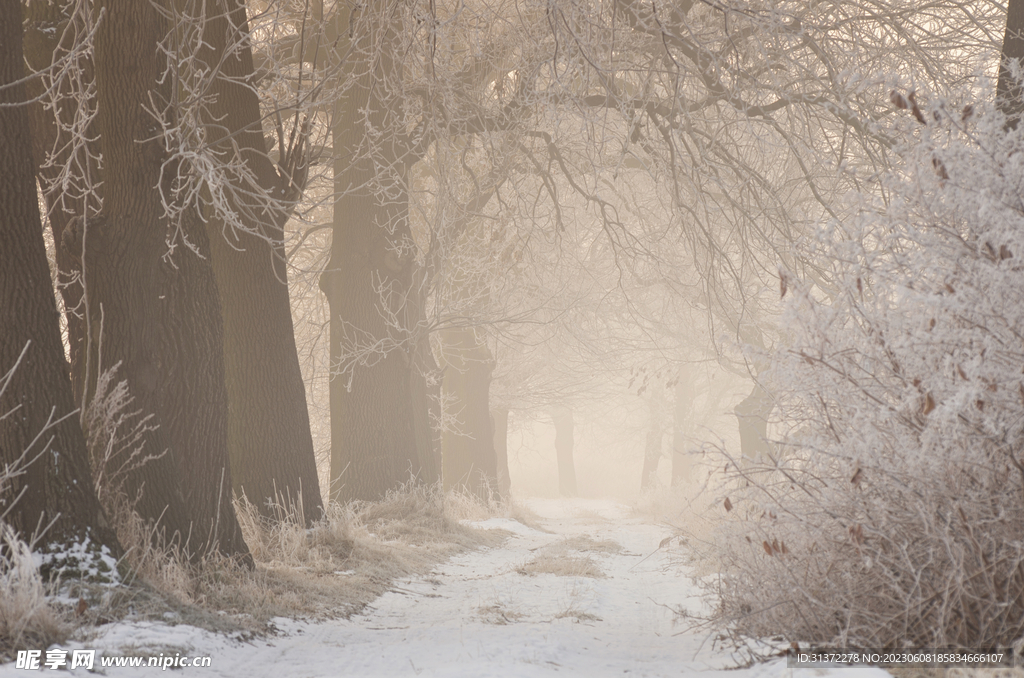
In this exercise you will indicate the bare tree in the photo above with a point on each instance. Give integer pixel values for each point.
(53, 495)
(248, 199)
(150, 289)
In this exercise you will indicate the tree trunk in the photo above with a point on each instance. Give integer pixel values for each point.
(682, 421)
(269, 438)
(468, 454)
(752, 413)
(425, 386)
(499, 423)
(424, 400)
(369, 275)
(1009, 92)
(562, 418)
(652, 449)
(45, 25)
(152, 310)
(37, 410)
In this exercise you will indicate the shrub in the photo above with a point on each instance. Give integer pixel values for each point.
(892, 512)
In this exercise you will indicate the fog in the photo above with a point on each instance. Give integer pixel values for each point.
(610, 444)
(468, 336)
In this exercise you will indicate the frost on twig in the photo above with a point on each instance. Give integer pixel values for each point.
(70, 170)
(205, 162)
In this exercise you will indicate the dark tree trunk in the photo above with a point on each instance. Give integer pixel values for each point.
(425, 386)
(373, 433)
(153, 311)
(469, 458)
(562, 418)
(269, 438)
(752, 413)
(1009, 92)
(44, 28)
(499, 422)
(424, 401)
(37, 410)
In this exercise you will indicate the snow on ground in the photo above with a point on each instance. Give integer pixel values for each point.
(490, 612)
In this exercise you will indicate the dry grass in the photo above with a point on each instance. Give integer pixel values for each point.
(498, 613)
(579, 616)
(564, 558)
(28, 618)
(587, 543)
(561, 566)
(332, 569)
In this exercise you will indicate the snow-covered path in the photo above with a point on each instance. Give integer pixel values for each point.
(490, 612)
(478, 615)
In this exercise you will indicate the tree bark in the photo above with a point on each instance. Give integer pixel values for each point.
(37, 410)
(269, 438)
(151, 309)
(1009, 91)
(562, 418)
(425, 386)
(373, 436)
(468, 454)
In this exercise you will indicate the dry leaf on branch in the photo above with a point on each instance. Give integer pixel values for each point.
(928, 405)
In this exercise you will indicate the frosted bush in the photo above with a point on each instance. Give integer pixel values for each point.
(892, 512)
